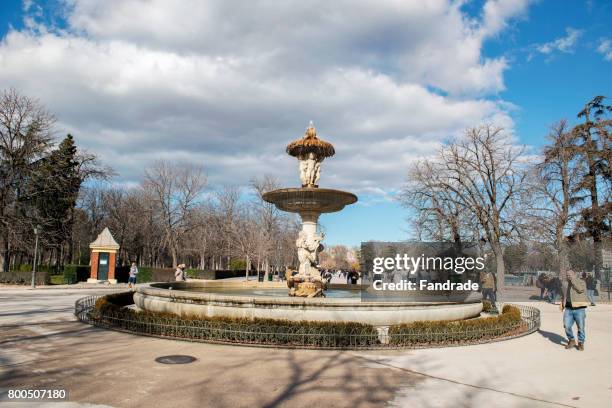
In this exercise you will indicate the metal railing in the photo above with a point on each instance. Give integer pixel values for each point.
(302, 336)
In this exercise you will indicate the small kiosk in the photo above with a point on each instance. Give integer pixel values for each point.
(103, 258)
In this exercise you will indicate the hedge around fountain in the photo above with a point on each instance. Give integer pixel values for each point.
(508, 323)
(110, 311)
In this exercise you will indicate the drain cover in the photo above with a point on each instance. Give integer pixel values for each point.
(176, 359)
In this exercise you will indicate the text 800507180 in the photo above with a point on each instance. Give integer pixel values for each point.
(44, 394)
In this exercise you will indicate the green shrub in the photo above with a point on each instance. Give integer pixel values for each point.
(24, 278)
(237, 264)
(24, 268)
(52, 269)
(145, 274)
(57, 279)
(487, 306)
(200, 274)
(70, 274)
(76, 273)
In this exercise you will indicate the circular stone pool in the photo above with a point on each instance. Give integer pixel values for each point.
(269, 300)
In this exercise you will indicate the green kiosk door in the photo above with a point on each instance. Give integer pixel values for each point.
(103, 266)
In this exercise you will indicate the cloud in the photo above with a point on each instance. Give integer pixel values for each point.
(497, 14)
(562, 44)
(605, 48)
(228, 84)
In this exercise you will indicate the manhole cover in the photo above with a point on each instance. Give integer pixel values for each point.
(176, 359)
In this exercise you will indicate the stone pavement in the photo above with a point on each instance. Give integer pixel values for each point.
(41, 345)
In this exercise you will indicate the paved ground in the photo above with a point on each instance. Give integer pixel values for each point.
(42, 346)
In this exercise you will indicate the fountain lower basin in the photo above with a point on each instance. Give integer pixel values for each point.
(265, 301)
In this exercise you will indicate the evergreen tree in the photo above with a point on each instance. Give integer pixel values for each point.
(53, 192)
(593, 145)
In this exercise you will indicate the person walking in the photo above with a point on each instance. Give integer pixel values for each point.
(179, 274)
(487, 282)
(540, 285)
(591, 285)
(553, 286)
(573, 304)
(133, 273)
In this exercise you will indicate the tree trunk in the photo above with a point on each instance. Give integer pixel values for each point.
(248, 267)
(5, 255)
(174, 256)
(500, 273)
(562, 252)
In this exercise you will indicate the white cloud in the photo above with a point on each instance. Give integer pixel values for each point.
(562, 44)
(27, 4)
(229, 84)
(605, 48)
(497, 13)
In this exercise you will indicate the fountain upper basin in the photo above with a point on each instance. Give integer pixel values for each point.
(310, 199)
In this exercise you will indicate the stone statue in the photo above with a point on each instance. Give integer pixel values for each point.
(310, 169)
(307, 248)
(303, 170)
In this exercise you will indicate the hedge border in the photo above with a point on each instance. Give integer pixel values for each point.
(109, 312)
(25, 278)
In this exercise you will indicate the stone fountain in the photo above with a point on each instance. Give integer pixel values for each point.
(309, 301)
(310, 202)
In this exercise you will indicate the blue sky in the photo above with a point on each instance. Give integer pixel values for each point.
(123, 83)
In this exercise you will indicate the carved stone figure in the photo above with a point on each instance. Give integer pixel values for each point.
(307, 248)
(310, 169)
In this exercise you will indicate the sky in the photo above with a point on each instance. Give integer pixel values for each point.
(228, 84)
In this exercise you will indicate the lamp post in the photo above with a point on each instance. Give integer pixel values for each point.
(36, 232)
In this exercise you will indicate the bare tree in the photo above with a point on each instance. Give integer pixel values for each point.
(245, 236)
(175, 190)
(439, 214)
(268, 218)
(483, 171)
(227, 199)
(26, 134)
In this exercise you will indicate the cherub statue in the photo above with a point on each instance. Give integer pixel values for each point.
(310, 169)
(303, 170)
(307, 247)
(317, 172)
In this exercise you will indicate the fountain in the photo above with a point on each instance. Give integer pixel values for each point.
(308, 298)
(310, 202)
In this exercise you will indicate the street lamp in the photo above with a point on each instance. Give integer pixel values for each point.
(37, 229)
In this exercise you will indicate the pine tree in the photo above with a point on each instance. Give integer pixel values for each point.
(593, 144)
(53, 192)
